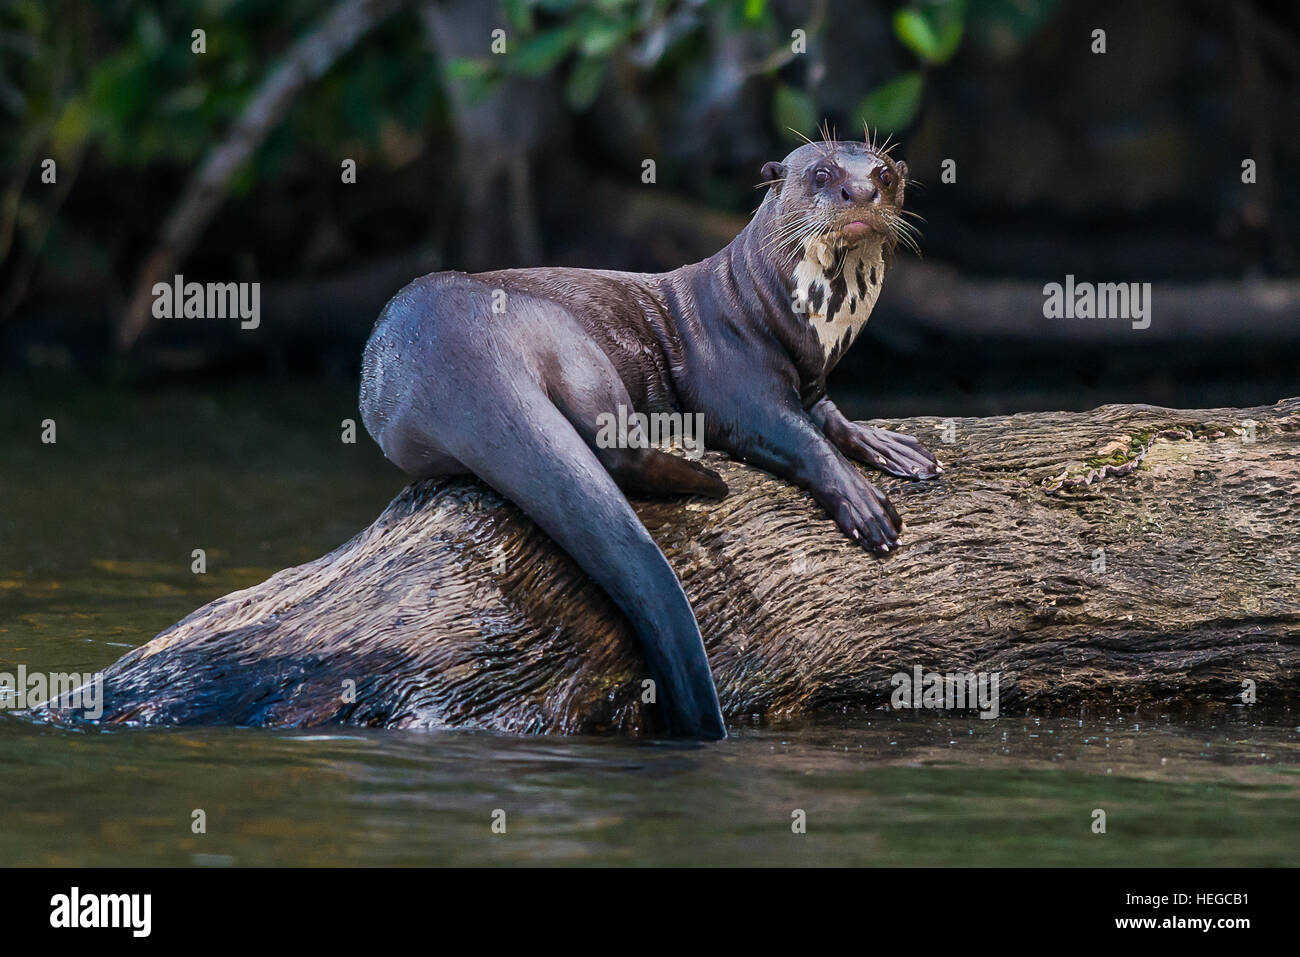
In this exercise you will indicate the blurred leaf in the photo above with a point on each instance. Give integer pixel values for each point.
(584, 82)
(932, 30)
(914, 31)
(71, 128)
(475, 78)
(1003, 26)
(892, 106)
(543, 51)
(518, 14)
(184, 99)
(464, 68)
(793, 110)
(602, 38)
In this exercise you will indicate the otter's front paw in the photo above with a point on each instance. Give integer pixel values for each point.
(891, 452)
(863, 512)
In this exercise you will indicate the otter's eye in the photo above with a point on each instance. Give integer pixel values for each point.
(886, 178)
(821, 177)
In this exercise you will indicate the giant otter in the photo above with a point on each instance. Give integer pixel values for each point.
(505, 374)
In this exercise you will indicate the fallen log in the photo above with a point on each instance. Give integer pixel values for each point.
(1127, 556)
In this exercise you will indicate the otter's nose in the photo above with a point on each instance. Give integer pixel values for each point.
(859, 193)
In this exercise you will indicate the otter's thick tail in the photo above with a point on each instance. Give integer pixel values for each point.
(546, 469)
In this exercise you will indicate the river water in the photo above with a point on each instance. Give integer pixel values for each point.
(97, 532)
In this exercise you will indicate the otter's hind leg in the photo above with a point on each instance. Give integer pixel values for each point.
(651, 473)
(589, 388)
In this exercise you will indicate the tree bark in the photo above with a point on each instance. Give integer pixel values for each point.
(1127, 556)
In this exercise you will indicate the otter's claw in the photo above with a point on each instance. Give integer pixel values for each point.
(891, 452)
(862, 512)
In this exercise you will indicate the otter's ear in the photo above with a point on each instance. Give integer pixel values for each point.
(773, 173)
(902, 169)
(903, 178)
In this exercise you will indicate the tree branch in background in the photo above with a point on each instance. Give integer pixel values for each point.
(35, 234)
(304, 63)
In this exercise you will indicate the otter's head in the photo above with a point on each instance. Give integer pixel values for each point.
(837, 195)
